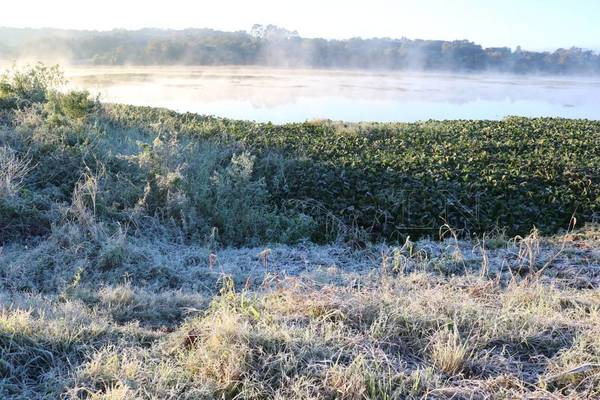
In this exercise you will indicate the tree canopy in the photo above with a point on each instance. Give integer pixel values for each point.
(274, 46)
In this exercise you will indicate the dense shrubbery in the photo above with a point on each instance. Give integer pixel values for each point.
(394, 179)
(64, 160)
(66, 157)
(22, 88)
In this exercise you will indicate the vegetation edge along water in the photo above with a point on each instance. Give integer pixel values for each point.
(241, 182)
(127, 269)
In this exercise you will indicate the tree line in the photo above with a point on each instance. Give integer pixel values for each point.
(278, 47)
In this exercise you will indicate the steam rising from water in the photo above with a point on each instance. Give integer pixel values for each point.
(288, 95)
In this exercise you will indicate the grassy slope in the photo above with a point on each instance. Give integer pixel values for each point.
(114, 283)
(451, 319)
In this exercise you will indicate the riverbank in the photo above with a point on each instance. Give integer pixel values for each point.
(150, 254)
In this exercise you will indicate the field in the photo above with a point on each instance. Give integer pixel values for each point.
(155, 255)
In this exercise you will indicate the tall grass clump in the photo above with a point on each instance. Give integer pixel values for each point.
(13, 170)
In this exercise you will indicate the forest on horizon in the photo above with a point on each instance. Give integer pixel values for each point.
(277, 47)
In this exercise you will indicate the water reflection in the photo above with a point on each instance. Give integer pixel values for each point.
(296, 95)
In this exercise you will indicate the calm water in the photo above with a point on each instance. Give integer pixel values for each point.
(296, 95)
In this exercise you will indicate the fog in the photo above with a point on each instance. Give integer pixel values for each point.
(272, 74)
(273, 46)
(292, 95)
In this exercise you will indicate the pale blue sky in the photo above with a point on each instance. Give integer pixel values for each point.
(534, 24)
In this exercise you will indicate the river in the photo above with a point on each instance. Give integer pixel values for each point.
(293, 95)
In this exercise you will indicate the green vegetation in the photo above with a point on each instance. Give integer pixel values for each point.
(236, 182)
(391, 179)
(22, 88)
(147, 254)
(274, 46)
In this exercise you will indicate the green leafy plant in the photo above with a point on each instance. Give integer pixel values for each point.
(71, 106)
(31, 84)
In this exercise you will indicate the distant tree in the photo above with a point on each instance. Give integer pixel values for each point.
(273, 45)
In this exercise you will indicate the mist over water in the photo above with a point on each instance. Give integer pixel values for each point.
(294, 95)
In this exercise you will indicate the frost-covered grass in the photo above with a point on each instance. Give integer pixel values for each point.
(508, 318)
(135, 260)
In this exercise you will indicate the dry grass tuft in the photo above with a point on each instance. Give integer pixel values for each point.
(333, 325)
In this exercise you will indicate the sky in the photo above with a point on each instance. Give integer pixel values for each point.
(533, 24)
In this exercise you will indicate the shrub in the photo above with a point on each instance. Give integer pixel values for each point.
(240, 210)
(71, 106)
(32, 84)
(19, 211)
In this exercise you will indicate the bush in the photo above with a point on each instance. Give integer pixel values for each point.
(240, 206)
(71, 106)
(211, 191)
(19, 213)
(32, 84)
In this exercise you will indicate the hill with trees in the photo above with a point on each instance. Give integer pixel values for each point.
(277, 47)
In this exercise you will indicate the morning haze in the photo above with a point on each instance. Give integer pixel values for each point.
(533, 24)
(325, 200)
(269, 73)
